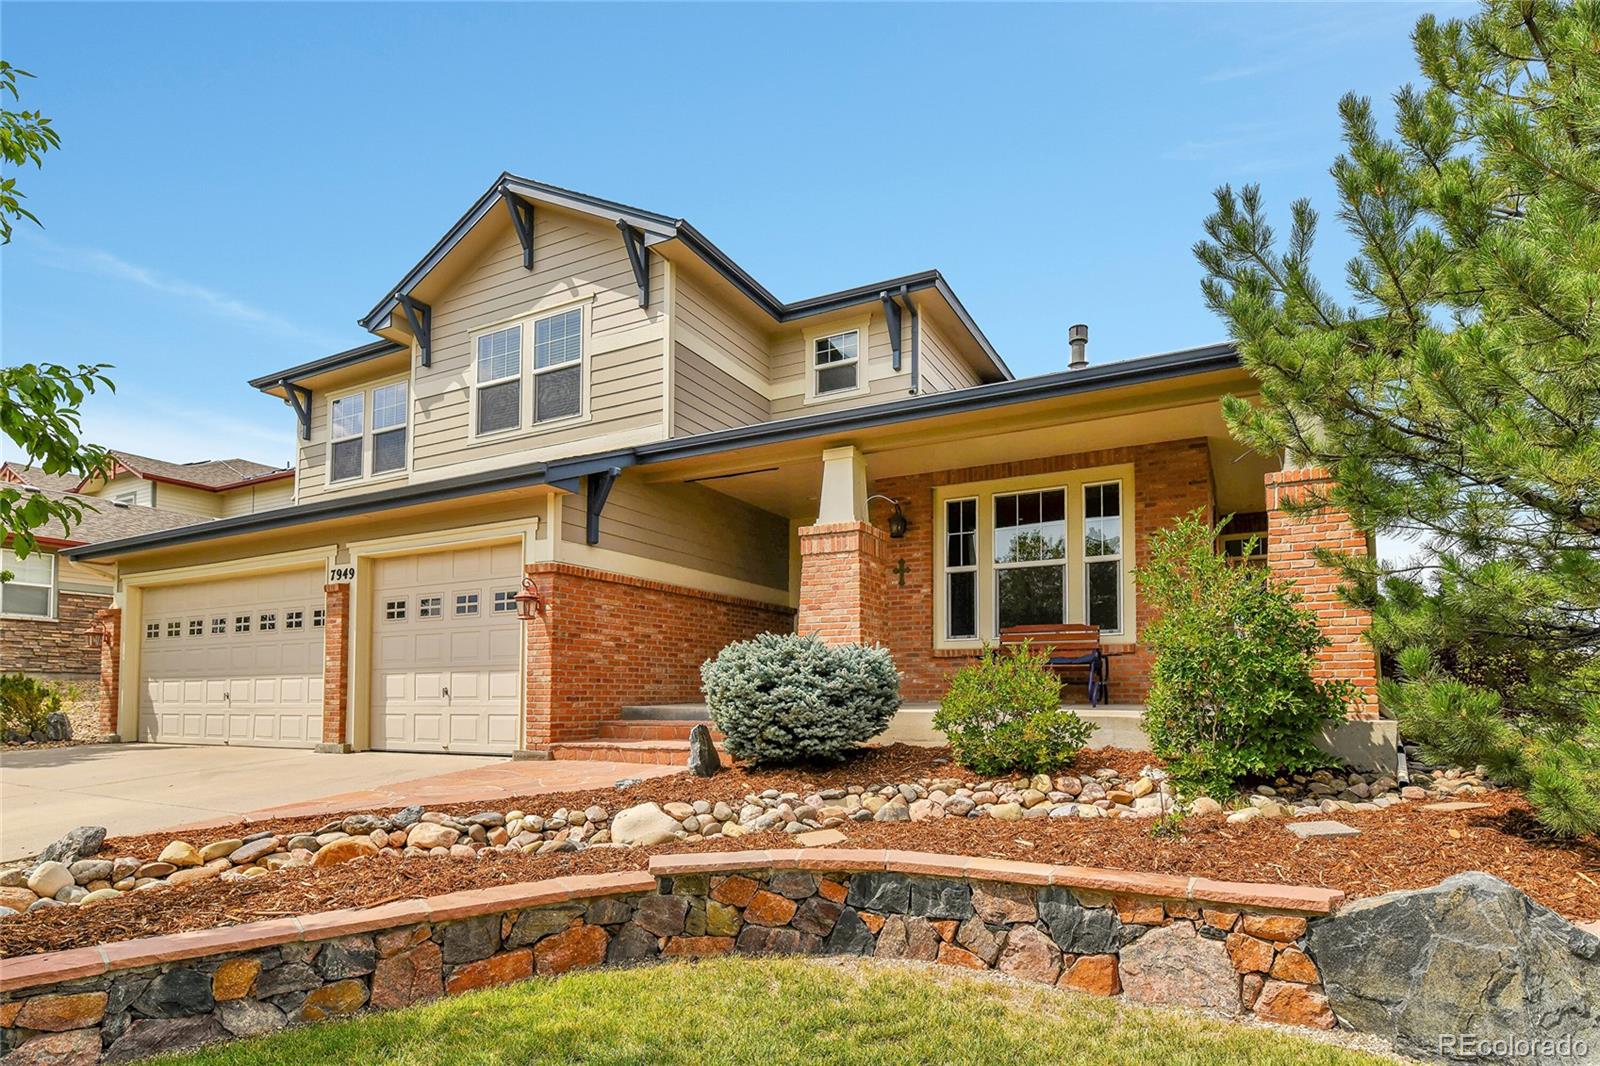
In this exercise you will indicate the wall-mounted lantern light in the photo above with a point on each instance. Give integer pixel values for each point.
(897, 520)
(529, 603)
(97, 635)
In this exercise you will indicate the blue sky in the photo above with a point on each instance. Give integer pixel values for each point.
(238, 182)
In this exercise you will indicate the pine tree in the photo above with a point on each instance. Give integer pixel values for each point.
(1456, 399)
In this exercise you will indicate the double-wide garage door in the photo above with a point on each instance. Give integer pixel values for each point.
(236, 661)
(446, 654)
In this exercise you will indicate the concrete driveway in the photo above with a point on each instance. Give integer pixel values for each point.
(140, 788)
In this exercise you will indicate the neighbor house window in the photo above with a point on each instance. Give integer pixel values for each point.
(125, 499)
(1030, 558)
(836, 362)
(349, 435)
(1102, 555)
(961, 568)
(389, 427)
(558, 366)
(32, 589)
(499, 380)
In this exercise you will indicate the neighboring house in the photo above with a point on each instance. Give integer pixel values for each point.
(211, 488)
(48, 608)
(597, 398)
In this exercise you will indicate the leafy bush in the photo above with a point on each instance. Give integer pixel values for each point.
(1004, 713)
(25, 705)
(787, 698)
(1231, 691)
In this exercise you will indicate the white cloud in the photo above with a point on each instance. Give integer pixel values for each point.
(198, 297)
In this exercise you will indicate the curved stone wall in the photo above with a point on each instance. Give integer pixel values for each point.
(1153, 939)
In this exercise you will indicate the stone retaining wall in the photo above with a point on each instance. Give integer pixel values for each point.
(1154, 939)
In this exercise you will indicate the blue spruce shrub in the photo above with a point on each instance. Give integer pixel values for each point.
(785, 698)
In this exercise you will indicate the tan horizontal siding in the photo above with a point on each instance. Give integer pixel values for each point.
(883, 382)
(689, 526)
(942, 368)
(706, 398)
(716, 331)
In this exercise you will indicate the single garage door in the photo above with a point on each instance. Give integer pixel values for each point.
(237, 661)
(446, 655)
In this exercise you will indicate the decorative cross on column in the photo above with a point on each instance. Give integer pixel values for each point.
(901, 569)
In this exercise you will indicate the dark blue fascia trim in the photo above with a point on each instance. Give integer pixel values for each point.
(336, 361)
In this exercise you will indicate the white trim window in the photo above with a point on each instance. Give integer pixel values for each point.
(347, 417)
(961, 568)
(1102, 555)
(497, 388)
(558, 366)
(389, 410)
(836, 363)
(31, 592)
(1030, 558)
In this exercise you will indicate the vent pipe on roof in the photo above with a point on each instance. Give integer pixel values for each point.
(1078, 338)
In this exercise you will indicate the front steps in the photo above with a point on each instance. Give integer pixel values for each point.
(656, 735)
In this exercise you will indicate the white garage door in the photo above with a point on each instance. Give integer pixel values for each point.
(234, 662)
(446, 654)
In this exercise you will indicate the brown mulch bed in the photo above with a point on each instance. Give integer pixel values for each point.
(1401, 848)
(894, 763)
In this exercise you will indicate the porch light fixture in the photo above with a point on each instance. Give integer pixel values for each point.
(97, 636)
(897, 520)
(529, 603)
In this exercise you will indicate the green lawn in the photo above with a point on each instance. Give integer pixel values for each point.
(777, 1011)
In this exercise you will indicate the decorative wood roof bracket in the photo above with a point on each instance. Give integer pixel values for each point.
(522, 220)
(419, 316)
(299, 398)
(598, 485)
(639, 256)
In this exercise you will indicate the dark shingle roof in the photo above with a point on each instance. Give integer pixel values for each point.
(208, 473)
(33, 477)
(104, 520)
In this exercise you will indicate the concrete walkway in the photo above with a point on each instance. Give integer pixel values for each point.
(140, 788)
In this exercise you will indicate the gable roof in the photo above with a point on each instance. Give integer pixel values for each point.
(103, 520)
(35, 478)
(657, 229)
(210, 475)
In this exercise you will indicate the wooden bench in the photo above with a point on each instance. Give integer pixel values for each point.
(1070, 647)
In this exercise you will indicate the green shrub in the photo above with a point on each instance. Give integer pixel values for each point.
(1231, 691)
(25, 705)
(786, 698)
(1004, 713)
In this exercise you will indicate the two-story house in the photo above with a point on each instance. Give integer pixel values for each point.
(597, 399)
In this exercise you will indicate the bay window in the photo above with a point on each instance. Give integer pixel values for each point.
(1042, 549)
(31, 592)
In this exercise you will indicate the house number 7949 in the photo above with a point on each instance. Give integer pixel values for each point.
(341, 575)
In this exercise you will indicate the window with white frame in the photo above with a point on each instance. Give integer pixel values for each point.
(318, 617)
(466, 603)
(961, 568)
(558, 366)
(219, 626)
(241, 623)
(348, 417)
(389, 427)
(430, 606)
(174, 630)
(268, 622)
(126, 499)
(31, 592)
(294, 620)
(197, 628)
(394, 610)
(152, 631)
(1030, 558)
(1102, 555)
(836, 362)
(499, 380)
(505, 600)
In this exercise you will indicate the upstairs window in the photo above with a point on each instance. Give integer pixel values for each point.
(389, 427)
(836, 362)
(31, 592)
(499, 380)
(558, 366)
(349, 419)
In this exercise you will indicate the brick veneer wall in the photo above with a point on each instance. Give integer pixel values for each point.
(843, 583)
(1292, 541)
(110, 619)
(607, 640)
(1169, 480)
(1152, 939)
(56, 647)
(335, 668)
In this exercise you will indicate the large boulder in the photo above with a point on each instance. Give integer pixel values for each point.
(703, 758)
(1471, 959)
(644, 825)
(57, 726)
(78, 844)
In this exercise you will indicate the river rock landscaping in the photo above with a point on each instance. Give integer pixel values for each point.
(71, 872)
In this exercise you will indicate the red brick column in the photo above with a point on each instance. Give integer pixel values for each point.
(843, 591)
(1292, 541)
(335, 669)
(110, 623)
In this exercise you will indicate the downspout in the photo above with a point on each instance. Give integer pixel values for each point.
(916, 340)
